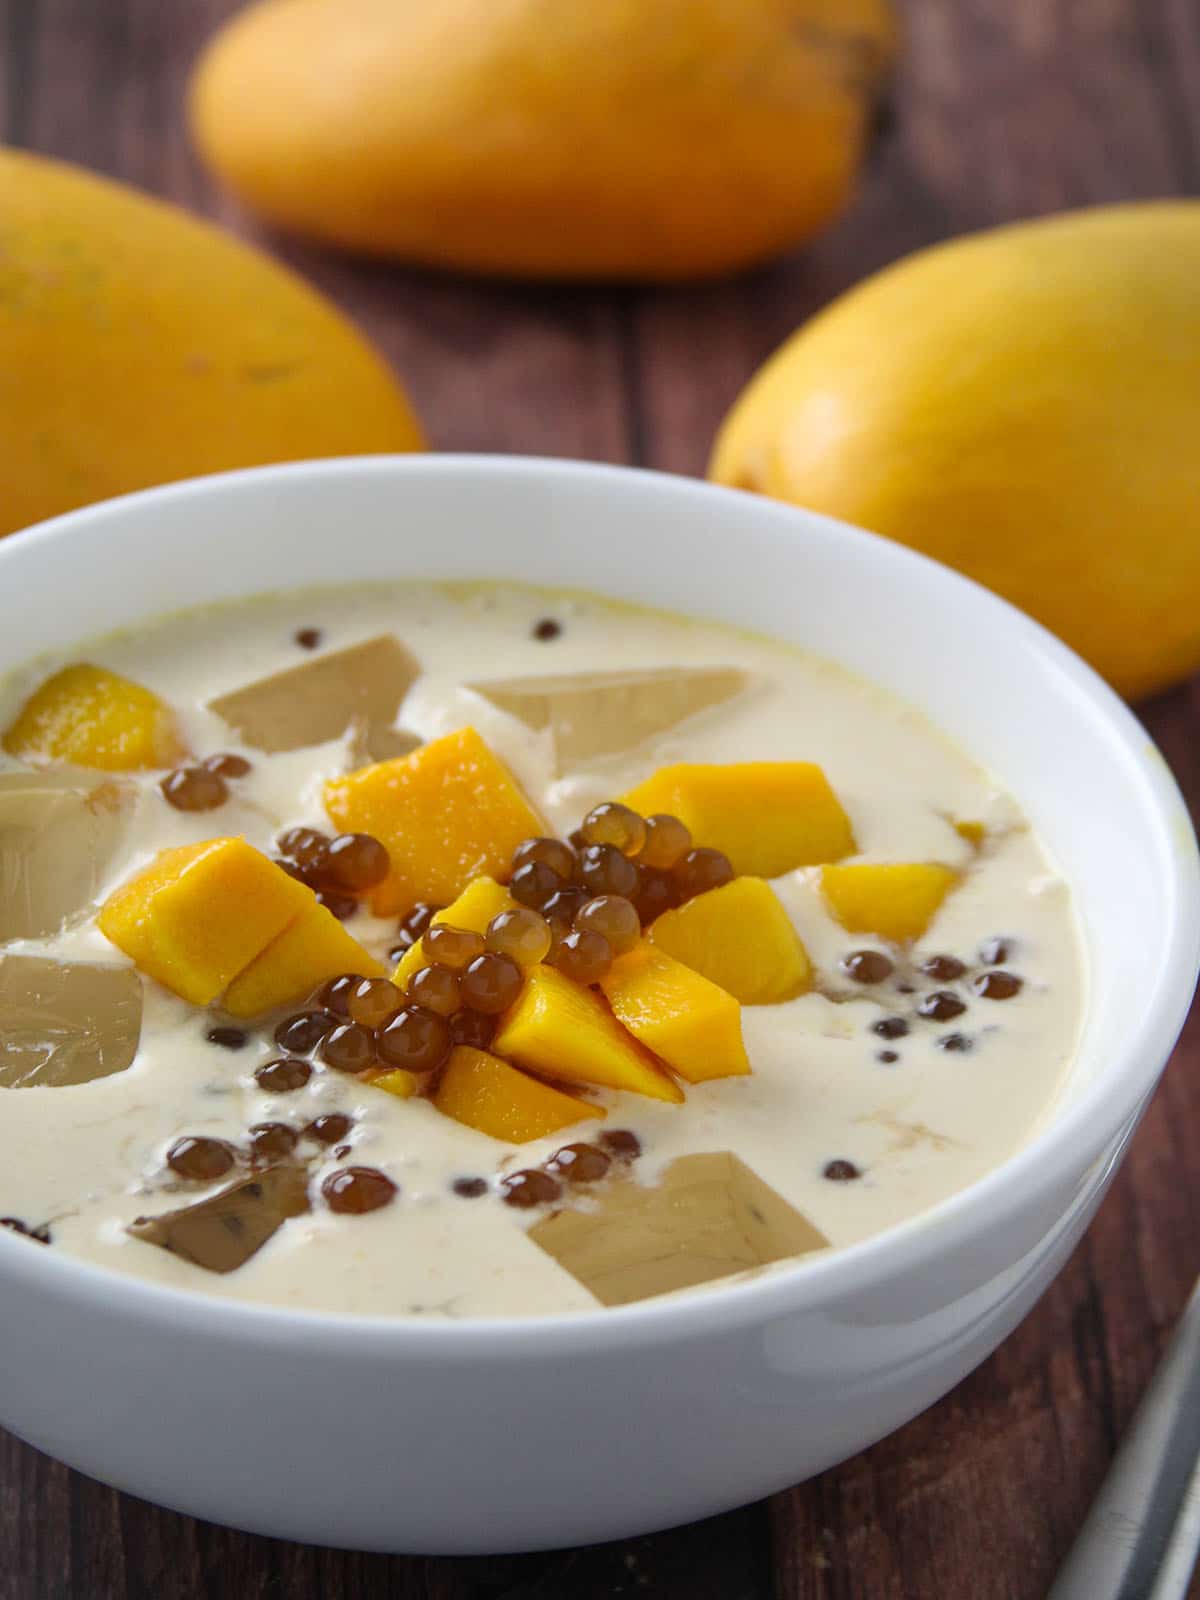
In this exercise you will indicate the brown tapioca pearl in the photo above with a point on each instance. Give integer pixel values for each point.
(194, 789)
(342, 906)
(227, 765)
(437, 989)
(472, 1028)
(200, 1159)
(890, 1027)
(955, 1041)
(374, 1002)
(227, 1038)
(656, 892)
(335, 995)
(533, 884)
(307, 638)
(455, 948)
(290, 867)
(417, 921)
(667, 841)
(614, 918)
(584, 957)
(302, 845)
(469, 1188)
(564, 905)
(546, 629)
(272, 1141)
(603, 869)
(303, 1032)
(867, 966)
(579, 1163)
(997, 985)
(284, 1076)
(943, 969)
(576, 840)
(621, 1143)
(841, 1171)
(342, 1151)
(399, 951)
(491, 984)
(331, 1128)
(416, 1039)
(701, 870)
(348, 1048)
(941, 1005)
(354, 863)
(529, 1188)
(906, 988)
(353, 1191)
(552, 853)
(888, 1057)
(523, 935)
(617, 825)
(995, 952)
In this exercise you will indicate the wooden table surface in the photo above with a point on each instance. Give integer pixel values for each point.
(1003, 108)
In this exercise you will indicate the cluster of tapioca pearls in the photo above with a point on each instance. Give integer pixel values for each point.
(573, 1164)
(352, 1190)
(340, 869)
(938, 1005)
(205, 786)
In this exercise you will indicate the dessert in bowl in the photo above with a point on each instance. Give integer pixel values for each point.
(530, 1016)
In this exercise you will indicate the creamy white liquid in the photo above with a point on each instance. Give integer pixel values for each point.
(89, 1159)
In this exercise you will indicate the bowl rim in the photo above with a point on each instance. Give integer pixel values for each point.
(1091, 1120)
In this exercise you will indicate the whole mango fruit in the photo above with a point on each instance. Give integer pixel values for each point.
(138, 346)
(1022, 404)
(546, 138)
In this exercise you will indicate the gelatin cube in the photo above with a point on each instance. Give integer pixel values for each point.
(221, 1232)
(605, 713)
(57, 838)
(359, 688)
(709, 1217)
(66, 1022)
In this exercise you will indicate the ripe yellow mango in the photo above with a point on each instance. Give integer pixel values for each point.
(480, 901)
(403, 1085)
(693, 1025)
(896, 900)
(200, 914)
(484, 1092)
(310, 950)
(561, 1029)
(89, 717)
(598, 138)
(447, 813)
(1021, 405)
(767, 816)
(740, 938)
(141, 346)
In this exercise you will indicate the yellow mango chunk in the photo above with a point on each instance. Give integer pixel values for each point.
(895, 901)
(447, 813)
(91, 717)
(767, 816)
(692, 1024)
(973, 832)
(480, 901)
(404, 1085)
(483, 1092)
(198, 915)
(740, 938)
(313, 948)
(561, 1029)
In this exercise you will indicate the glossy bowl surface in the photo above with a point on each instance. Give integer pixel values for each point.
(438, 1436)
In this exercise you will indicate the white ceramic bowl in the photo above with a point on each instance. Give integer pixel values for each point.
(491, 1435)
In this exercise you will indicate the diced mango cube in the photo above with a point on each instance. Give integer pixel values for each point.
(480, 901)
(447, 813)
(895, 900)
(91, 717)
(740, 938)
(484, 1092)
(198, 915)
(310, 950)
(767, 816)
(404, 1085)
(561, 1029)
(692, 1024)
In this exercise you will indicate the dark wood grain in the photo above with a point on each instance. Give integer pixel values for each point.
(1002, 110)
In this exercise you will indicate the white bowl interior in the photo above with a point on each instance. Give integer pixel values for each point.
(1083, 769)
